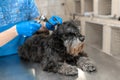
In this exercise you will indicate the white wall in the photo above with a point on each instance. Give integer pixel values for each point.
(55, 7)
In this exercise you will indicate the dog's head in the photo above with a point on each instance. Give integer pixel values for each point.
(70, 34)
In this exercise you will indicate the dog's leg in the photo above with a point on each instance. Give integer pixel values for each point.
(85, 63)
(67, 69)
(58, 67)
(50, 66)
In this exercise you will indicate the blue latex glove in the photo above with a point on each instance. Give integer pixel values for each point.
(53, 21)
(27, 28)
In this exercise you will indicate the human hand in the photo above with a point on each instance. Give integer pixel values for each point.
(27, 28)
(53, 21)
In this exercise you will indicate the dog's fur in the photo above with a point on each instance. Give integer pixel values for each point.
(61, 52)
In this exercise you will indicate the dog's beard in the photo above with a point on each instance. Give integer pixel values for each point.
(74, 46)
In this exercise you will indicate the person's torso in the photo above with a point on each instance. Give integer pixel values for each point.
(12, 12)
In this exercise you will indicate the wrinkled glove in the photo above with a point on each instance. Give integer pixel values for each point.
(27, 28)
(53, 21)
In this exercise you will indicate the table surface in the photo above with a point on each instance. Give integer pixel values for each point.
(13, 68)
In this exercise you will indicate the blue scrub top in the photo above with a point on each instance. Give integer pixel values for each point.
(11, 13)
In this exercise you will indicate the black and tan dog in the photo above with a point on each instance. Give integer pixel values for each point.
(61, 52)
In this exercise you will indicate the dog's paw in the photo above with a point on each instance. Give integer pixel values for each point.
(68, 70)
(89, 67)
(86, 65)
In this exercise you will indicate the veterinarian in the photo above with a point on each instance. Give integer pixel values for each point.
(17, 22)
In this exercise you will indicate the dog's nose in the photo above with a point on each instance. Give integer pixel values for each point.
(82, 38)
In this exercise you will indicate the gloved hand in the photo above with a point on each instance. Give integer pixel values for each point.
(53, 21)
(27, 28)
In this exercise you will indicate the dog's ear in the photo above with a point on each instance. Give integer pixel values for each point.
(59, 29)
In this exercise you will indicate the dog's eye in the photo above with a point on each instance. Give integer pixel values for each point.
(65, 35)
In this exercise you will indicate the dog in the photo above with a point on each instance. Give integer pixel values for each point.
(61, 52)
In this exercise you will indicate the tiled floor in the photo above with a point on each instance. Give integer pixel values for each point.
(12, 68)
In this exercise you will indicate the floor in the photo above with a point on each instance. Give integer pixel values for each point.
(12, 68)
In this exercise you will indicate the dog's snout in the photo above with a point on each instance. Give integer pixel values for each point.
(75, 50)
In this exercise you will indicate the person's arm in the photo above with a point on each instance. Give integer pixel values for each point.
(11, 33)
(7, 35)
(26, 28)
